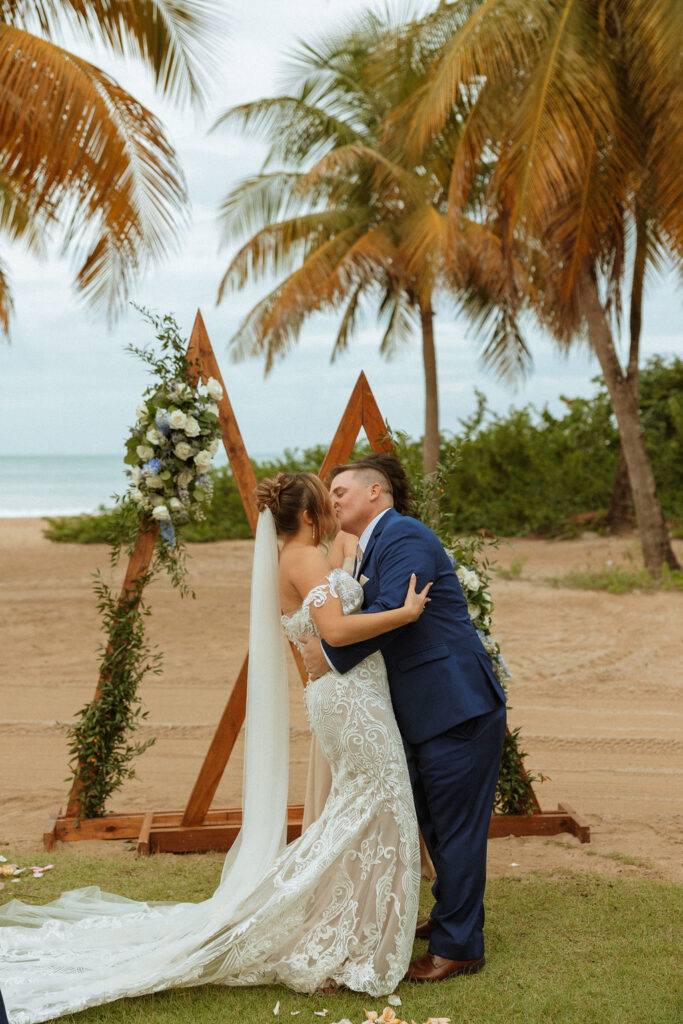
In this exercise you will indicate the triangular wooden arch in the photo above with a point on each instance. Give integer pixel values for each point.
(199, 827)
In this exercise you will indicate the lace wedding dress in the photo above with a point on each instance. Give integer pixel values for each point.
(337, 906)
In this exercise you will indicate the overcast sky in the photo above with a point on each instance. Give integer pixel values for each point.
(68, 387)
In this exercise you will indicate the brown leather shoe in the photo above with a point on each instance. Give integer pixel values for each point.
(424, 928)
(431, 967)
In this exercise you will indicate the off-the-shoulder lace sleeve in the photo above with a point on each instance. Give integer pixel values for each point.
(341, 585)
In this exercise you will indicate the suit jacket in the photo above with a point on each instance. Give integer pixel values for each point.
(439, 673)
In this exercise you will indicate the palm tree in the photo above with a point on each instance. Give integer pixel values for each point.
(349, 224)
(82, 162)
(578, 107)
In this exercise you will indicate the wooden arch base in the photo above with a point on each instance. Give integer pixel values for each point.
(199, 827)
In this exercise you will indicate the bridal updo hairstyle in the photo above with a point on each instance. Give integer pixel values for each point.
(287, 495)
(385, 469)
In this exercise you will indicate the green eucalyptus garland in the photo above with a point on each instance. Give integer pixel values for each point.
(169, 451)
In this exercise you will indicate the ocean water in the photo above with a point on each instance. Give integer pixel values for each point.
(66, 485)
(58, 485)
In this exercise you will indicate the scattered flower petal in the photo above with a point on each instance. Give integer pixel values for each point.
(321, 1013)
(514, 864)
(371, 1015)
(394, 1000)
(276, 1008)
(3, 860)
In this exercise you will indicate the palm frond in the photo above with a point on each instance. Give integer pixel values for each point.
(6, 303)
(504, 349)
(349, 322)
(176, 39)
(474, 40)
(277, 248)
(77, 146)
(19, 221)
(257, 200)
(296, 129)
(401, 325)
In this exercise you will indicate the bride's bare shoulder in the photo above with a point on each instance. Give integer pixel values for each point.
(344, 546)
(304, 566)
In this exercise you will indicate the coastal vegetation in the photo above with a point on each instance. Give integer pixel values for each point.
(526, 472)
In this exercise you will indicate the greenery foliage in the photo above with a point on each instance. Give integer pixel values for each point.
(100, 749)
(620, 580)
(525, 472)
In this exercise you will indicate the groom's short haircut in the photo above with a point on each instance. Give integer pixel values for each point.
(384, 469)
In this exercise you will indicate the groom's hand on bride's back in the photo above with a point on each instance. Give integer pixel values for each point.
(312, 653)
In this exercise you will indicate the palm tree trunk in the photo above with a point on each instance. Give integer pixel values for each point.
(619, 514)
(430, 447)
(651, 526)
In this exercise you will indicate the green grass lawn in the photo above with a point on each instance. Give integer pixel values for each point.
(561, 949)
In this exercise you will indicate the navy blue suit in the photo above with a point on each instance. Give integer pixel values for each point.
(450, 709)
(3, 1015)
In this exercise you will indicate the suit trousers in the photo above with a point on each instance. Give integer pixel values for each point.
(454, 778)
(3, 1014)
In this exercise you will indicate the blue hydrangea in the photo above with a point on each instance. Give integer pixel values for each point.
(161, 421)
(153, 466)
(168, 533)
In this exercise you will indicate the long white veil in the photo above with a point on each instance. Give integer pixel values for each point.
(266, 753)
(97, 946)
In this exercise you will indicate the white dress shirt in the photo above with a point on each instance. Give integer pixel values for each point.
(363, 542)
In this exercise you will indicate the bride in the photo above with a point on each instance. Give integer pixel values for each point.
(335, 908)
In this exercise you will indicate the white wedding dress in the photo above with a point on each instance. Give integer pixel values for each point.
(337, 906)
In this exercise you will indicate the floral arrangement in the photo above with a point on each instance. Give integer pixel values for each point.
(170, 450)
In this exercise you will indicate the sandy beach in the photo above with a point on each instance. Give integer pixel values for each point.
(596, 691)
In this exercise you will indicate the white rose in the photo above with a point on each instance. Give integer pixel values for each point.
(136, 474)
(180, 390)
(153, 436)
(155, 500)
(202, 461)
(213, 447)
(177, 419)
(144, 452)
(161, 513)
(141, 412)
(155, 482)
(176, 505)
(136, 495)
(183, 450)
(185, 477)
(473, 612)
(469, 579)
(214, 389)
(212, 408)
(191, 427)
(486, 622)
(489, 644)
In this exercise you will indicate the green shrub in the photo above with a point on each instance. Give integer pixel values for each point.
(525, 472)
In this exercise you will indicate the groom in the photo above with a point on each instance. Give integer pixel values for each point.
(448, 703)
